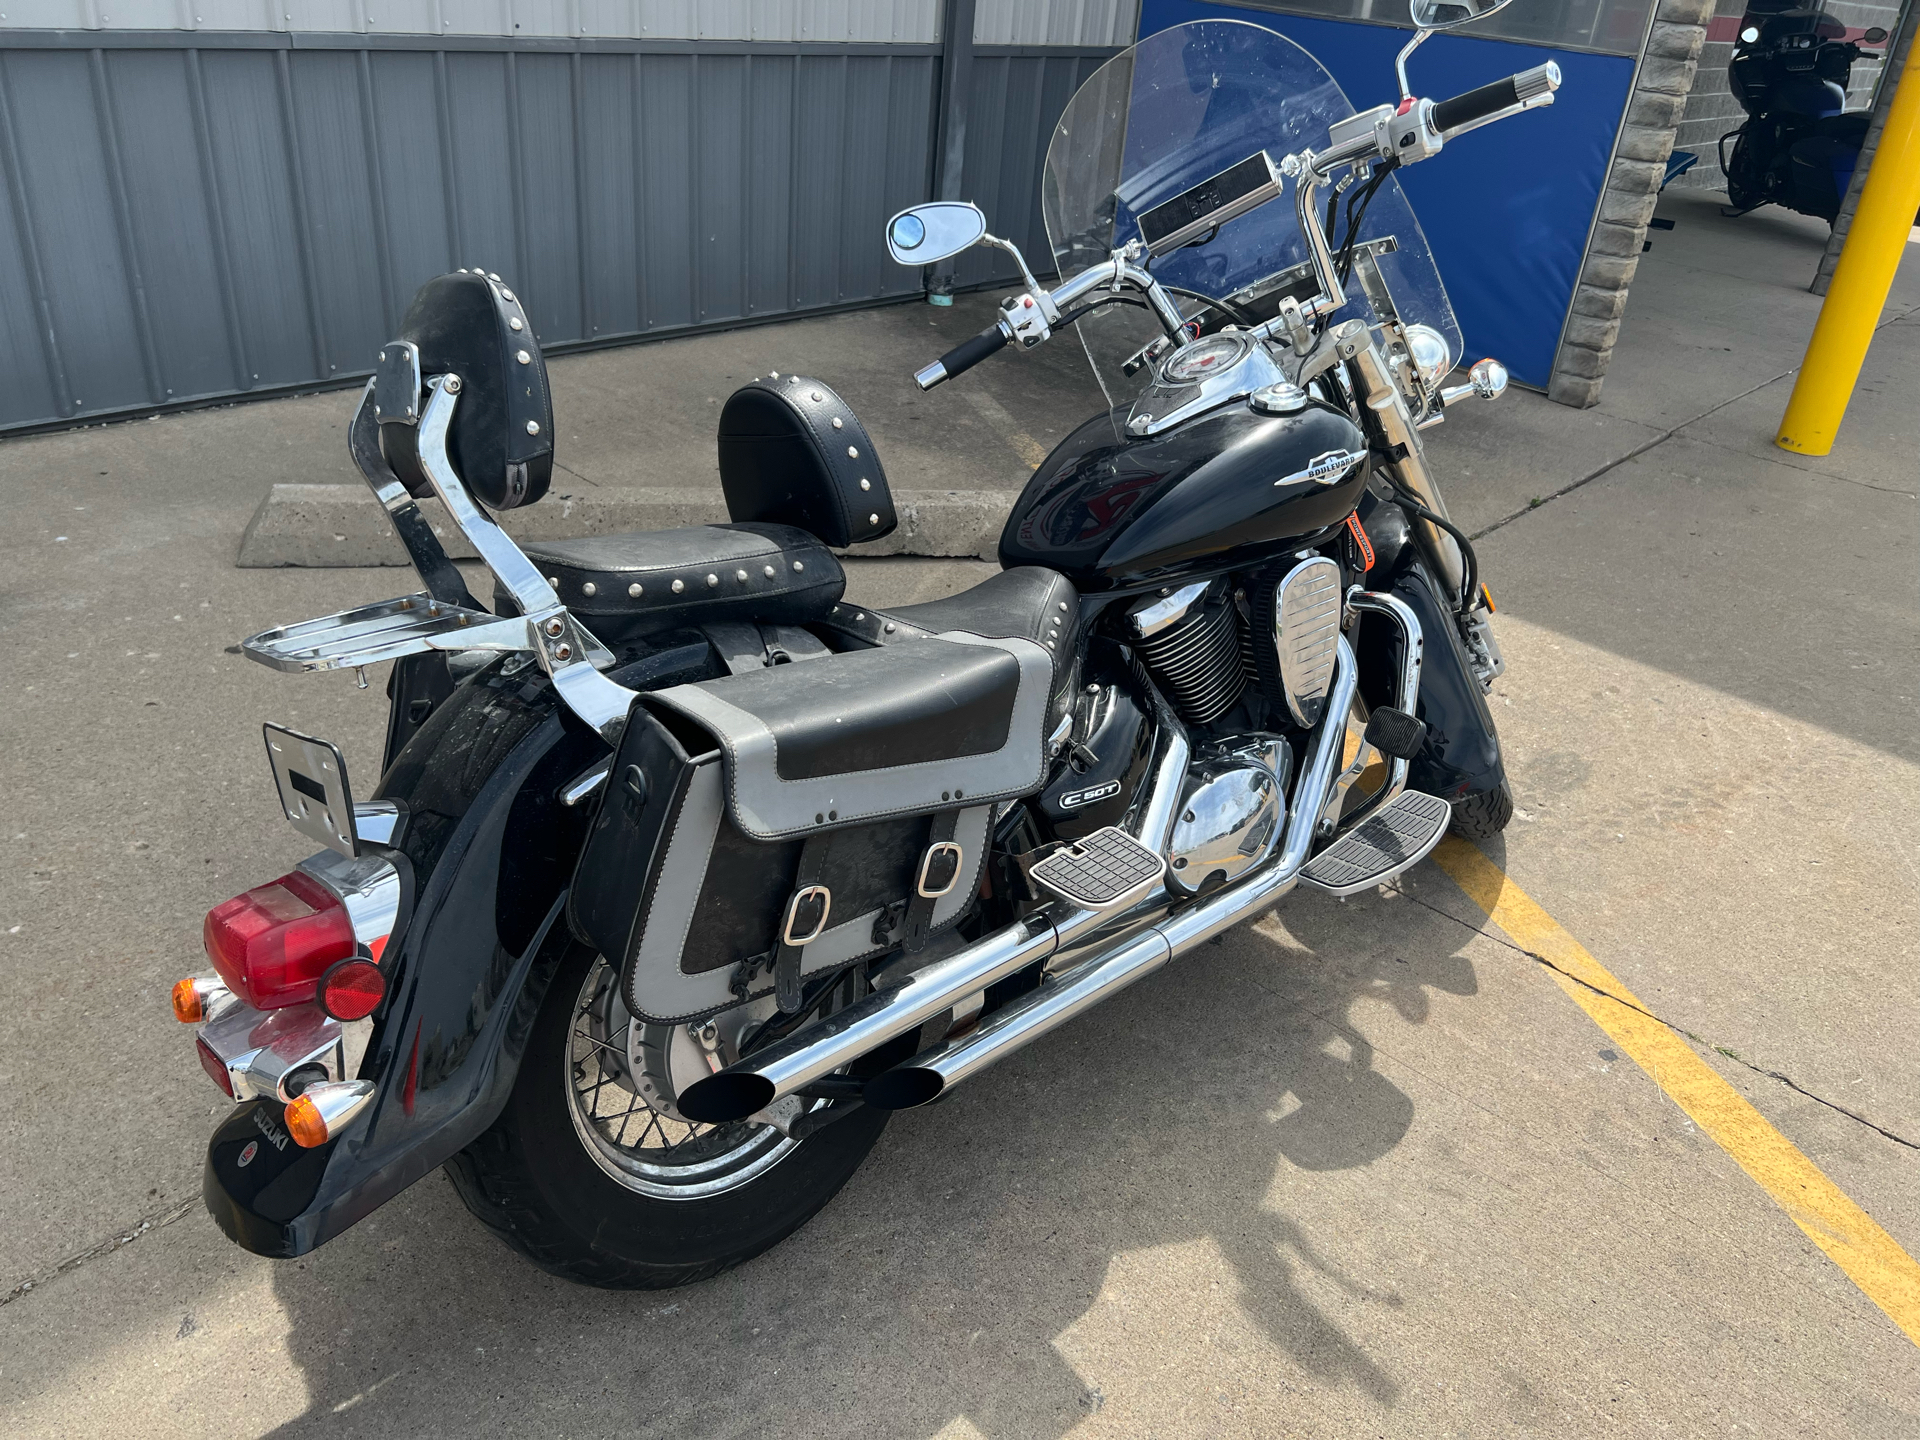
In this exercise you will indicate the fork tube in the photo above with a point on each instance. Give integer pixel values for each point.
(1373, 381)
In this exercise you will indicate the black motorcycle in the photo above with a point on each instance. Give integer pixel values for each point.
(1798, 145)
(682, 872)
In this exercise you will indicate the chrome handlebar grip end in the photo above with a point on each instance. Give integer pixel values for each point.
(1541, 80)
(1487, 379)
(930, 375)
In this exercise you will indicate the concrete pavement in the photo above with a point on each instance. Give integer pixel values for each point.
(1362, 1169)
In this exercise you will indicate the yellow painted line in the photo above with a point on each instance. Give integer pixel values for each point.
(1869, 1256)
(1028, 448)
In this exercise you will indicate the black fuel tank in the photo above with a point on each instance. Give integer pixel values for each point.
(1109, 510)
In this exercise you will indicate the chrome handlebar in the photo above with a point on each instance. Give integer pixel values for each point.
(1413, 131)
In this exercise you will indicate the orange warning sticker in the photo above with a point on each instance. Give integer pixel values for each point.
(1360, 539)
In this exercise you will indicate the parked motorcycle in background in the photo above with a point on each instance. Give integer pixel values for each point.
(682, 872)
(1798, 145)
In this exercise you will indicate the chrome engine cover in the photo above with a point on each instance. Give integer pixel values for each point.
(1231, 815)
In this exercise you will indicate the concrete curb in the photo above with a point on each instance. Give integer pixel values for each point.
(343, 525)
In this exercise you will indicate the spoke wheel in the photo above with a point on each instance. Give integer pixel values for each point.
(591, 1173)
(629, 1127)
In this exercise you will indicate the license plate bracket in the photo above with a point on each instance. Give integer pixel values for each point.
(311, 777)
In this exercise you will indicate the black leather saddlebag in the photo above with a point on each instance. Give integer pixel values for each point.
(765, 828)
(792, 452)
(501, 439)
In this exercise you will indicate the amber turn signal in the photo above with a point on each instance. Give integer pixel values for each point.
(306, 1124)
(196, 998)
(187, 1008)
(322, 1111)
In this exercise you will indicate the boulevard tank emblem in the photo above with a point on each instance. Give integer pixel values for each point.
(1324, 469)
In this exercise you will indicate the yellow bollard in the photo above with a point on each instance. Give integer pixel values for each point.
(1874, 247)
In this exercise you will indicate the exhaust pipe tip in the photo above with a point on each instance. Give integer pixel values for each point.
(904, 1087)
(723, 1097)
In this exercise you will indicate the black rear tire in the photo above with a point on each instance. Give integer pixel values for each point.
(530, 1180)
(1484, 814)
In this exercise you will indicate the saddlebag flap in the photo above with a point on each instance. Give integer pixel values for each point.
(766, 828)
(873, 734)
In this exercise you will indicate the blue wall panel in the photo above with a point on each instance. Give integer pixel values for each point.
(1506, 209)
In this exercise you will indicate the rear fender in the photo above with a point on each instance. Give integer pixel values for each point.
(490, 849)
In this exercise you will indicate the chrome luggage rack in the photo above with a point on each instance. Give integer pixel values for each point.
(386, 631)
(445, 617)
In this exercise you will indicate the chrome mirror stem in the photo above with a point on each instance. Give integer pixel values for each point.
(1034, 287)
(1400, 62)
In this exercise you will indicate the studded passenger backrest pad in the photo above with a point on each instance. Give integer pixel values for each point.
(793, 452)
(501, 441)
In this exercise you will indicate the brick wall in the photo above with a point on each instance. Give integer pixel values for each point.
(1711, 109)
(1659, 98)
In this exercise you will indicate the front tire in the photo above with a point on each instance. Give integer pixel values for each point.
(1484, 814)
(740, 1190)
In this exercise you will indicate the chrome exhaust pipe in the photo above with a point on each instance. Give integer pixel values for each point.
(1080, 987)
(750, 1085)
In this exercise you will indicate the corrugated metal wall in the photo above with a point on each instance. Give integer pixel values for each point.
(1087, 23)
(1016, 100)
(886, 21)
(191, 216)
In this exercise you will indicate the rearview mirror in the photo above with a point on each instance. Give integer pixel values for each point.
(928, 233)
(1446, 14)
(1874, 35)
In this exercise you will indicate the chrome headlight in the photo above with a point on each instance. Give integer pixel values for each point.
(1428, 349)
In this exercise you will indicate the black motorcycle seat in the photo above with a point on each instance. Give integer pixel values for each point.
(623, 586)
(1029, 602)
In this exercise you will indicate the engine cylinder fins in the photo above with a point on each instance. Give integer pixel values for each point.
(1197, 663)
(1306, 633)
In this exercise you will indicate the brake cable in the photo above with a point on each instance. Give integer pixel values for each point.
(1470, 590)
(1361, 198)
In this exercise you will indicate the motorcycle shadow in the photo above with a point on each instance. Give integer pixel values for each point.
(997, 1255)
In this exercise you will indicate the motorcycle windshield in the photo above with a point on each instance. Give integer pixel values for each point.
(1182, 106)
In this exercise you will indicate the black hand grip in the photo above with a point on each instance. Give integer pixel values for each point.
(970, 353)
(1475, 105)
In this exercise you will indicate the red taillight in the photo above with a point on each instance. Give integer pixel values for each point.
(213, 1065)
(352, 989)
(272, 944)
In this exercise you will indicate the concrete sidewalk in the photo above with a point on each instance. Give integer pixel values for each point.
(1363, 1169)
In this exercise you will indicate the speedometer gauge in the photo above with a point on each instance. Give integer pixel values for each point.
(1204, 358)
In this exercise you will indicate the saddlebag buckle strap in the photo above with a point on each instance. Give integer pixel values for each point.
(802, 922)
(808, 910)
(941, 852)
